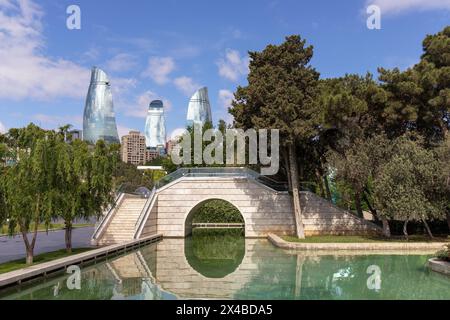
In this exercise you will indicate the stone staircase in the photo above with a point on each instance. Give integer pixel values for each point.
(122, 226)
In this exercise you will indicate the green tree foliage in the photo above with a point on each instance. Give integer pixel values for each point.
(362, 121)
(419, 98)
(53, 179)
(408, 186)
(83, 181)
(28, 190)
(360, 162)
(281, 93)
(129, 178)
(217, 211)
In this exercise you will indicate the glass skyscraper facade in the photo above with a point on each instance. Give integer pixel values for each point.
(99, 121)
(155, 125)
(199, 110)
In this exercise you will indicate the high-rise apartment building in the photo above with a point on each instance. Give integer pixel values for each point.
(134, 150)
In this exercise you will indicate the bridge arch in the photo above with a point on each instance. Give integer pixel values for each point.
(189, 216)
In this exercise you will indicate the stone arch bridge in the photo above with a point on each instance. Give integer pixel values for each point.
(263, 203)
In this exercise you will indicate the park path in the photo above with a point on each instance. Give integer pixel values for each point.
(14, 248)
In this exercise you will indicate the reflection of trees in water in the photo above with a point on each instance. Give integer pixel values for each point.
(215, 253)
(96, 284)
(263, 272)
(343, 277)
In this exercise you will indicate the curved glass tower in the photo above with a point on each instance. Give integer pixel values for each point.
(199, 110)
(99, 121)
(155, 125)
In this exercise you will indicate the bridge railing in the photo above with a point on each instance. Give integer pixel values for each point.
(222, 172)
(103, 221)
(143, 216)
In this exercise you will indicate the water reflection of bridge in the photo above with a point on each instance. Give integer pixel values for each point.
(165, 271)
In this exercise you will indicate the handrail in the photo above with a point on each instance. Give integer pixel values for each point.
(107, 216)
(139, 223)
(224, 172)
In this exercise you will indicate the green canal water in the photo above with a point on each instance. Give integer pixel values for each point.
(220, 265)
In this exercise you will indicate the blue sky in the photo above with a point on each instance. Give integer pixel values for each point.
(167, 49)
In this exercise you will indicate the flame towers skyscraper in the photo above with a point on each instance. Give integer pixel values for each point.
(99, 121)
(199, 110)
(155, 125)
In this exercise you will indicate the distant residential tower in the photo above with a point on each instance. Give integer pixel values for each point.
(199, 109)
(134, 151)
(99, 121)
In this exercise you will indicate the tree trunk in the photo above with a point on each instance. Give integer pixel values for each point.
(427, 227)
(373, 211)
(358, 205)
(405, 230)
(28, 249)
(448, 220)
(30, 255)
(293, 169)
(386, 228)
(320, 183)
(68, 237)
(327, 187)
(286, 165)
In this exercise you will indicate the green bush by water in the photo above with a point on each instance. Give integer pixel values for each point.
(444, 254)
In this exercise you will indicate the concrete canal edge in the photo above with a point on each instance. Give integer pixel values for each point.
(439, 266)
(44, 269)
(368, 247)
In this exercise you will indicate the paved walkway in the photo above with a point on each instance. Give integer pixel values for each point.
(14, 248)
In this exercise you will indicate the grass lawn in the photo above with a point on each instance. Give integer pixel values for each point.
(40, 258)
(361, 239)
(42, 227)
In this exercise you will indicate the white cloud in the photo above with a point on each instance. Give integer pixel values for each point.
(121, 62)
(123, 131)
(92, 54)
(121, 86)
(52, 121)
(186, 85)
(225, 98)
(186, 51)
(159, 69)
(3, 128)
(24, 70)
(139, 107)
(233, 66)
(398, 6)
(177, 133)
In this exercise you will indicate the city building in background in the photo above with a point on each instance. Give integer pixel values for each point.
(99, 121)
(134, 150)
(74, 135)
(155, 126)
(199, 109)
(170, 145)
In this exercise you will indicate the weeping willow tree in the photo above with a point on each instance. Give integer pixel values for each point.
(28, 191)
(83, 182)
(53, 179)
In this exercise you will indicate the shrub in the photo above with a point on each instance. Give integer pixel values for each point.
(444, 254)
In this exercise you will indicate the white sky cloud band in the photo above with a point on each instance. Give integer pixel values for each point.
(159, 69)
(233, 66)
(399, 6)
